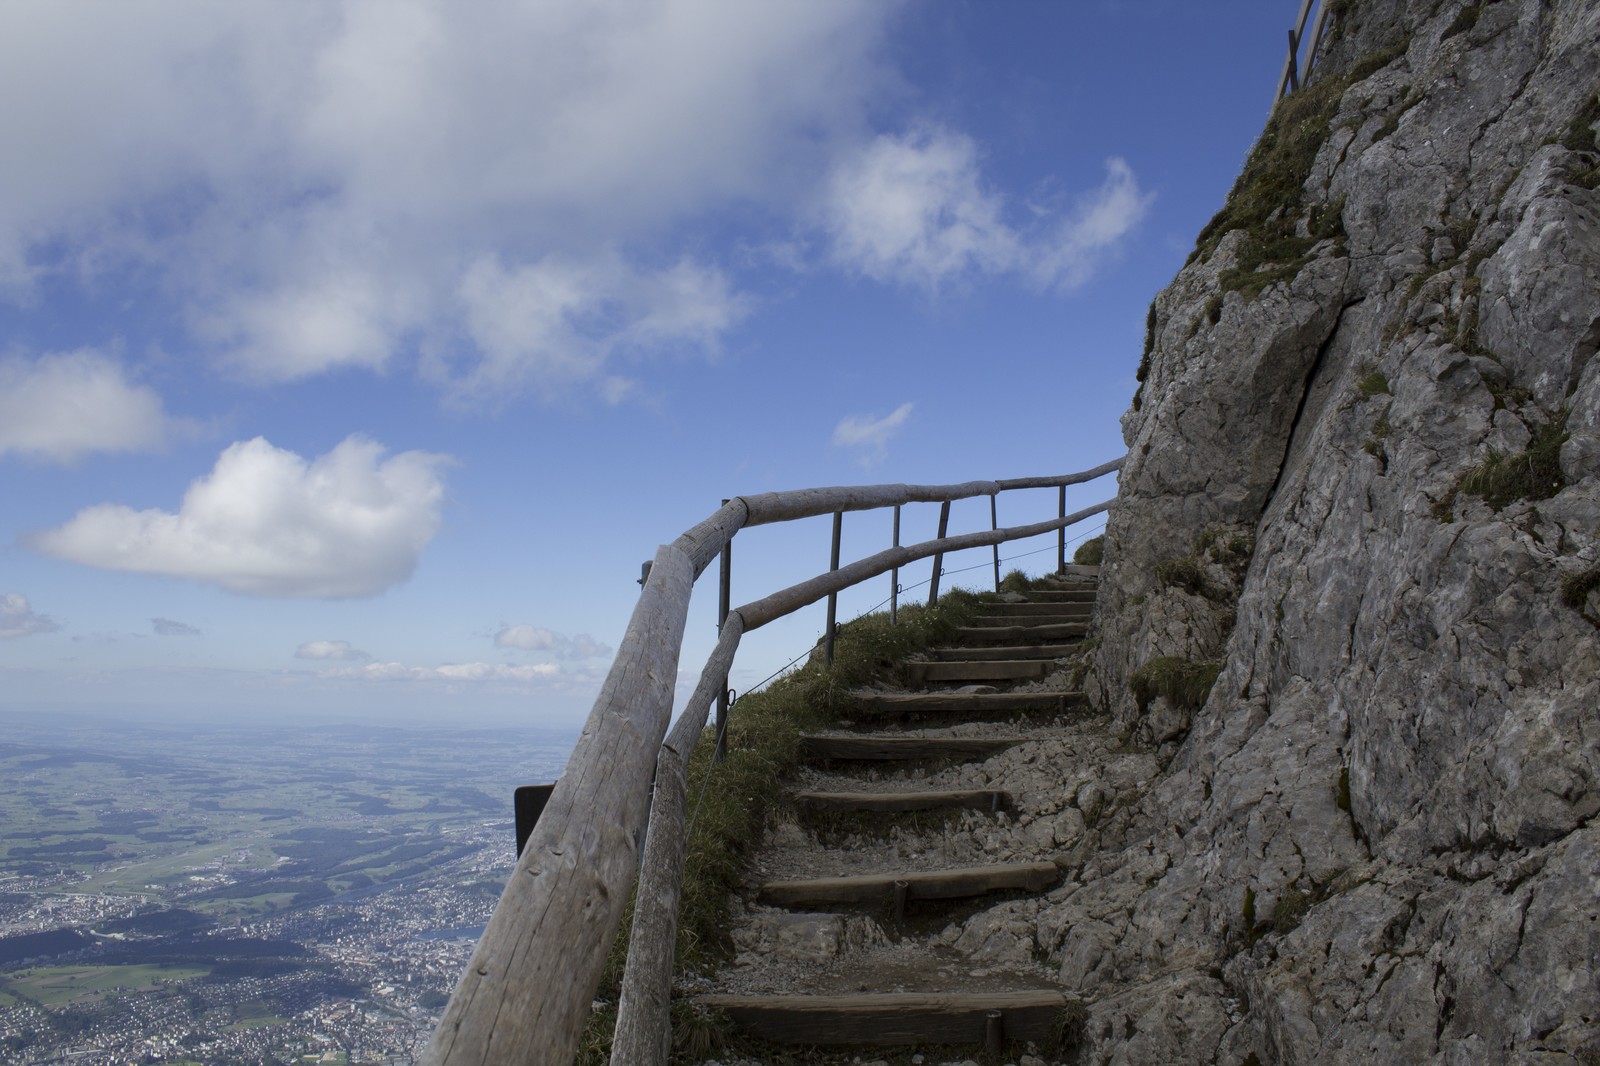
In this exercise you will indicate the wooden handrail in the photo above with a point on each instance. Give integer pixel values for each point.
(526, 993)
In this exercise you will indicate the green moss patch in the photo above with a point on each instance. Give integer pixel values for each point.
(1184, 683)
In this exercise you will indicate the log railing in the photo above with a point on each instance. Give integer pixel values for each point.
(526, 993)
(1294, 73)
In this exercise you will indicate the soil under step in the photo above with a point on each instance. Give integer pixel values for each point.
(978, 799)
(962, 883)
(896, 1018)
(903, 749)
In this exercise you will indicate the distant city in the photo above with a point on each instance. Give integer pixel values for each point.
(219, 896)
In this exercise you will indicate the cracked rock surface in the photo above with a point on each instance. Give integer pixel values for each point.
(1374, 840)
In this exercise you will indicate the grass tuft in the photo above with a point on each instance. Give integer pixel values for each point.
(1184, 573)
(1373, 383)
(1182, 682)
(1531, 474)
(1090, 552)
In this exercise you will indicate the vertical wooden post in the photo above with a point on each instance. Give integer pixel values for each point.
(833, 597)
(994, 523)
(894, 575)
(1061, 534)
(724, 594)
(938, 559)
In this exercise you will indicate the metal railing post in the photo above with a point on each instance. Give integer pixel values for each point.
(894, 575)
(1061, 535)
(833, 597)
(994, 523)
(938, 560)
(724, 594)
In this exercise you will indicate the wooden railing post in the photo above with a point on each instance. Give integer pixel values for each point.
(833, 597)
(938, 560)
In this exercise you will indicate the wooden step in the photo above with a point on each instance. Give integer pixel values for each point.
(961, 883)
(986, 703)
(887, 1019)
(978, 799)
(1083, 595)
(899, 749)
(1005, 651)
(980, 670)
(1009, 631)
(1036, 610)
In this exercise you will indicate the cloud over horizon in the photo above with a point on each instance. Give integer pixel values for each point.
(330, 649)
(19, 619)
(266, 522)
(533, 638)
(167, 627)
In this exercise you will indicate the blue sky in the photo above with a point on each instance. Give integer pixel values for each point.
(354, 354)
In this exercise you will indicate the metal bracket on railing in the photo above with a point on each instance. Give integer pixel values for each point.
(725, 701)
(644, 573)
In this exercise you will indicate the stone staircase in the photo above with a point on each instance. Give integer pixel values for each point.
(847, 940)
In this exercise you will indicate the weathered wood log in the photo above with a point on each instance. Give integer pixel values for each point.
(893, 1018)
(525, 996)
(770, 507)
(705, 542)
(892, 749)
(1083, 595)
(961, 883)
(762, 611)
(979, 670)
(978, 799)
(643, 1031)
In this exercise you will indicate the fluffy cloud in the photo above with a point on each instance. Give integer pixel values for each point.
(65, 405)
(324, 185)
(330, 649)
(913, 208)
(448, 672)
(533, 638)
(871, 434)
(167, 627)
(18, 619)
(267, 522)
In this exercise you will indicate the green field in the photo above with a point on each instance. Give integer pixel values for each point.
(52, 985)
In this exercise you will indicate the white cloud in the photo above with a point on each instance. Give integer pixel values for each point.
(18, 619)
(914, 209)
(871, 434)
(330, 649)
(449, 672)
(533, 638)
(65, 405)
(332, 185)
(167, 627)
(267, 522)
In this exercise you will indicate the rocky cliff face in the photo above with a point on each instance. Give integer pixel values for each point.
(1352, 586)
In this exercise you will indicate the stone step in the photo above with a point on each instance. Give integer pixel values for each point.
(869, 889)
(888, 1019)
(979, 670)
(903, 749)
(1004, 651)
(978, 799)
(1011, 631)
(901, 704)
